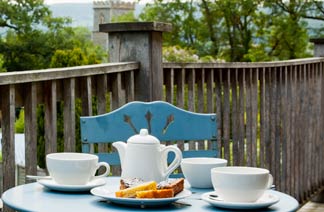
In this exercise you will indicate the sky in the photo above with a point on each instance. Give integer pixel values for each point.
(66, 1)
(85, 1)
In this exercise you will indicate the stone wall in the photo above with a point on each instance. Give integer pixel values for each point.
(318, 46)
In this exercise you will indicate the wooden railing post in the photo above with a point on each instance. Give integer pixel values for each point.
(7, 96)
(142, 42)
(319, 52)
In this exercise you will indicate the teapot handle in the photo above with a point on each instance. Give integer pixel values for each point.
(175, 163)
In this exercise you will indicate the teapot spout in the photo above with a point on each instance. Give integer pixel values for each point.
(121, 148)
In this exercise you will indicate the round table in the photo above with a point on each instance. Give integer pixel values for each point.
(35, 197)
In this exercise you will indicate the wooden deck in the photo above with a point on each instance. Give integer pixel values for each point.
(312, 207)
(316, 204)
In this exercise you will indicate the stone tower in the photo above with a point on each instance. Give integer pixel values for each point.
(103, 11)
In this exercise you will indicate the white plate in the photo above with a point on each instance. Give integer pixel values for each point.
(108, 193)
(51, 184)
(266, 200)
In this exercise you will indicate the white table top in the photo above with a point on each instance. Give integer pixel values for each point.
(35, 197)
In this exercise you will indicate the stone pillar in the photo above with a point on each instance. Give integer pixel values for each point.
(142, 42)
(318, 46)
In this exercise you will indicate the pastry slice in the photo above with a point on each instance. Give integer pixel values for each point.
(177, 185)
(131, 192)
(128, 183)
(150, 194)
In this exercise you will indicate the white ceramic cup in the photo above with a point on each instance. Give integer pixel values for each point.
(197, 170)
(68, 168)
(239, 183)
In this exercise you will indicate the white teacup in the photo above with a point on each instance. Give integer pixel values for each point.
(67, 168)
(197, 170)
(239, 183)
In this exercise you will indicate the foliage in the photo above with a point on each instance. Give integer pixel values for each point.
(178, 54)
(2, 69)
(181, 15)
(36, 40)
(235, 30)
(288, 37)
(36, 50)
(33, 36)
(62, 58)
(82, 53)
(219, 29)
(23, 15)
(20, 124)
(40, 136)
(126, 17)
(67, 58)
(237, 26)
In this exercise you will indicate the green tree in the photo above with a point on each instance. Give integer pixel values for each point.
(237, 30)
(126, 17)
(178, 54)
(287, 34)
(182, 16)
(33, 36)
(220, 29)
(36, 49)
(19, 124)
(81, 38)
(182, 55)
(36, 40)
(30, 28)
(2, 69)
(67, 58)
(23, 15)
(237, 24)
(315, 12)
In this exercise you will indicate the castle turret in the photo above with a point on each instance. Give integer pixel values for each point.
(103, 12)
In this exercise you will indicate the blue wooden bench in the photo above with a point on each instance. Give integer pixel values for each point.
(163, 120)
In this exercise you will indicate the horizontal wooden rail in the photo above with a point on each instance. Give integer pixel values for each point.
(245, 64)
(63, 73)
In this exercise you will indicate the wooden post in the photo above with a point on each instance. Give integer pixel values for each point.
(142, 42)
(319, 52)
(8, 102)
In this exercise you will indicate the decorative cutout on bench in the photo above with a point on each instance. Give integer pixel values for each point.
(128, 120)
(169, 121)
(148, 117)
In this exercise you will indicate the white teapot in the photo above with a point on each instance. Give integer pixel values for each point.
(143, 157)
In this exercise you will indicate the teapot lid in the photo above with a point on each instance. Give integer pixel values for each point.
(143, 138)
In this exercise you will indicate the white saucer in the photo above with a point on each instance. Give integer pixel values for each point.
(266, 200)
(108, 193)
(51, 184)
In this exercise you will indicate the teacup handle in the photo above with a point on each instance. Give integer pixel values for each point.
(106, 165)
(270, 181)
(175, 163)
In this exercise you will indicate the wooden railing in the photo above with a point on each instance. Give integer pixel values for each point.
(269, 114)
(112, 82)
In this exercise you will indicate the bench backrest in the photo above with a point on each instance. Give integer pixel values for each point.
(162, 119)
